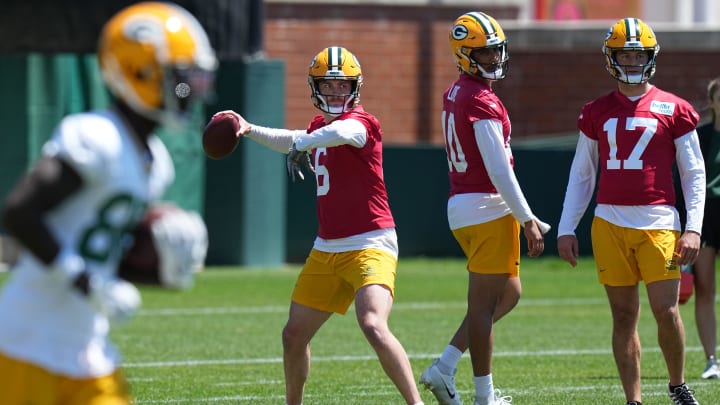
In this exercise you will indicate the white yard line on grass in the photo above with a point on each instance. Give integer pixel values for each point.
(536, 302)
(273, 360)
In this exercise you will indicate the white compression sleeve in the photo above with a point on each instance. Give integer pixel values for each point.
(691, 165)
(581, 185)
(343, 132)
(488, 136)
(277, 139)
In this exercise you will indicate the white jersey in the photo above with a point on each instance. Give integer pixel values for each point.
(45, 322)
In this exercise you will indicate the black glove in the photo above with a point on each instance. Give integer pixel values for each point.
(296, 161)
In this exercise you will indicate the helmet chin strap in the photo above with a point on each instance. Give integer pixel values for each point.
(636, 78)
(618, 72)
(336, 110)
(493, 75)
(496, 74)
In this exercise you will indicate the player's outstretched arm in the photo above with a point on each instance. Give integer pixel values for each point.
(277, 139)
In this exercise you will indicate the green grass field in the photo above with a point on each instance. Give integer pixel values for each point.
(220, 342)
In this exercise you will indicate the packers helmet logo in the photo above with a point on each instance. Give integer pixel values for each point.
(142, 32)
(459, 32)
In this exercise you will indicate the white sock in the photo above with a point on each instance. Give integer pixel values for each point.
(449, 359)
(484, 388)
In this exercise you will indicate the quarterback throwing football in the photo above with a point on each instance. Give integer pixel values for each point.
(354, 256)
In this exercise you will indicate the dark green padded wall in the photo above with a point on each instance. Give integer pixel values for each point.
(416, 178)
(245, 192)
(13, 105)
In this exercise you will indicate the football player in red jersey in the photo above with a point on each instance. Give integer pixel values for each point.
(633, 136)
(486, 207)
(354, 256)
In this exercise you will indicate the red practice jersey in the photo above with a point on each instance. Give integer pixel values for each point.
(636, 144)
(351, 194)
(466, 101)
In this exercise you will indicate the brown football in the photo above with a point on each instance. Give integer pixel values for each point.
(140, 263)
(220, 137)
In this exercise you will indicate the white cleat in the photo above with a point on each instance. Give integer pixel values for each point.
(441, 385)
(495, 398)
(711, 369)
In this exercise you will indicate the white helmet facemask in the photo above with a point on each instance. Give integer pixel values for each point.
(336, 110)
(632, 78)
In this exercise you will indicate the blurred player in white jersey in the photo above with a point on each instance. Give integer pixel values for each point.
(354, 256)
(486, 207)
(633, 136)
(73, 211)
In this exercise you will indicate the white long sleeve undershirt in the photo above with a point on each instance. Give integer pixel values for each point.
(691, 167)
(340, 132)
(581, 185)
(277, 139)
(489, 138)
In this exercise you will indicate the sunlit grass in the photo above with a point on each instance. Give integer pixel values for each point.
(220, 342)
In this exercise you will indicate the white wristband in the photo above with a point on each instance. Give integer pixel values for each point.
(544, 227)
